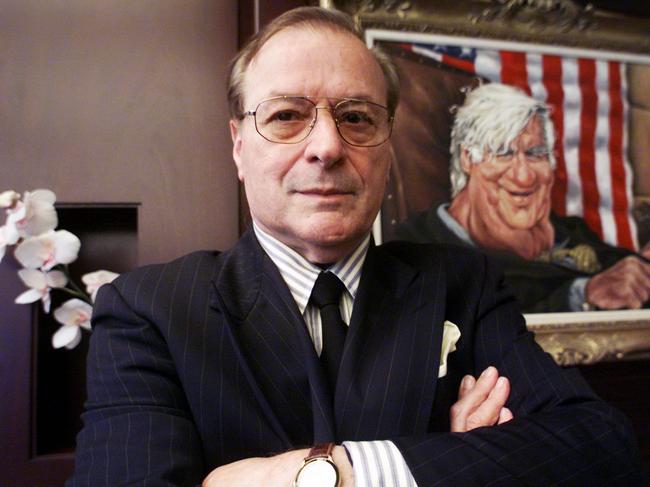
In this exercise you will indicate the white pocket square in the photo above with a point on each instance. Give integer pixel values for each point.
(450, 335)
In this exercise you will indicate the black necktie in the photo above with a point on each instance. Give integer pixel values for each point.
(326, 295)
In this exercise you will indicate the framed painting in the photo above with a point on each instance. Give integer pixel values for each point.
(591, 70)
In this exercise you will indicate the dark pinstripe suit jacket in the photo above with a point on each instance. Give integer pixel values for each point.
(206, 360)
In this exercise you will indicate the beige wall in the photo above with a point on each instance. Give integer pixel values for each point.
(123, 101)
(639, 82)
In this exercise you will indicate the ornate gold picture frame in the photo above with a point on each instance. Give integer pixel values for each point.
(533, 26)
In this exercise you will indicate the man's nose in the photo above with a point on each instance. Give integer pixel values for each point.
(324, 143)
(522, 173)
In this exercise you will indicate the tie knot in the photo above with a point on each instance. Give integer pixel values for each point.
(327, 290)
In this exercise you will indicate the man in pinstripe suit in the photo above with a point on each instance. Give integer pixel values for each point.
(206, 369)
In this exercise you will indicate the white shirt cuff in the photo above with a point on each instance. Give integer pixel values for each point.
(378, 463)
(577, 295)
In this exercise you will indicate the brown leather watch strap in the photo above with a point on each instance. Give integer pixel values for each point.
(322, 450)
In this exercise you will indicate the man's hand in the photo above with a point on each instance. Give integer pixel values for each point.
(624, 285)
(481, 402)
(276, 471)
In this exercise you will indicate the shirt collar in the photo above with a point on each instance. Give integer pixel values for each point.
(300, 274)
(455, 227)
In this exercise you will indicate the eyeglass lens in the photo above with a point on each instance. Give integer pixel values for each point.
(291, 119)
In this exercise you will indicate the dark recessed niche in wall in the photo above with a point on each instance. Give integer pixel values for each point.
(108, 235)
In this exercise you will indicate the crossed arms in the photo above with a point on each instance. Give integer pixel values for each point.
(480, 403)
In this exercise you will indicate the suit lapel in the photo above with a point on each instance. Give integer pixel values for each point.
(389, 369)
(276, 351)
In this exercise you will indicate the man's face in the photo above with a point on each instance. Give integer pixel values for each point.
(512, 189)
(319, 196)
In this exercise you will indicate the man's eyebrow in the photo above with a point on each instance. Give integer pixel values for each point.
(538, 148)
(362, 97)
(354, 96)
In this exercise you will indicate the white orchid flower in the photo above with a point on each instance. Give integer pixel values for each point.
(74, 314)
(8, 199)
(95, 280)
(40, 284)
(9, 234)
(35, 214)
(47, 250)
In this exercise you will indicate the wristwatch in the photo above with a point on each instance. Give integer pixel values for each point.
(318, 469)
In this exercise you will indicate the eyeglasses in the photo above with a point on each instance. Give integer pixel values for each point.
(290, 119)
(531, 154)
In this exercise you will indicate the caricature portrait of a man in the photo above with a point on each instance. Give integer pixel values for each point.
(501, 174)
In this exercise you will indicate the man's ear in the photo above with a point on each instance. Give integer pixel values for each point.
(465, 160)
(235, 135)
(391, 162)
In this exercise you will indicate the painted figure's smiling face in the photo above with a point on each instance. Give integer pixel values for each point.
(512, 188)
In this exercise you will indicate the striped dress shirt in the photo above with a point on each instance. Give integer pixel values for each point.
(375, 463)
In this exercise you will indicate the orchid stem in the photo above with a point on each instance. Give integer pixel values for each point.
(73, 284)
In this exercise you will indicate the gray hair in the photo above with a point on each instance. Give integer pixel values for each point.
(309, 16)
(492, 116)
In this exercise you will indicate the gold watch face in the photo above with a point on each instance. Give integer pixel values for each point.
(318, 472)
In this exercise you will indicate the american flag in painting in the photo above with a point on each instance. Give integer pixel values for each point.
(593, 178)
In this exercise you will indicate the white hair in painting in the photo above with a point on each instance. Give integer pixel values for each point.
(492, 116)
